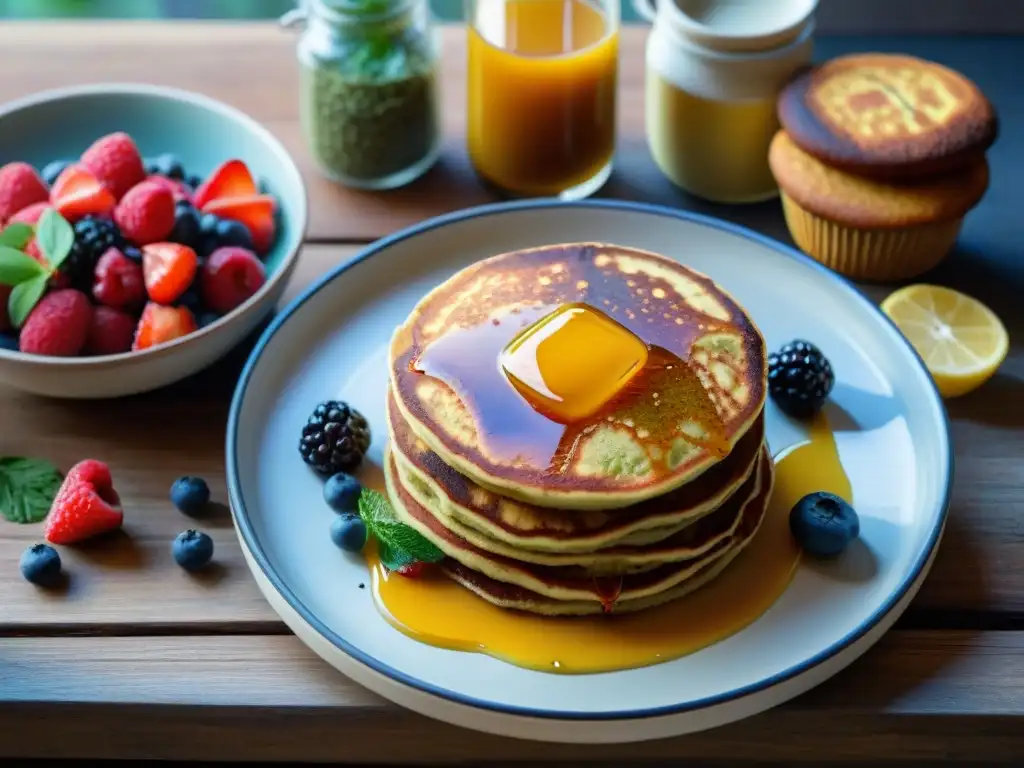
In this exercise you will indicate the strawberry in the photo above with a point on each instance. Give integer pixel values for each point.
(115, 161)
(231, 179)
(256, 212)
(111, 332)
(118, 281)
(57, 325)
(30, 214)
(179, 190)
(412, 570)
(230, 276)
(77, 193)
(168, 269)
(86, 505)
(20, 187)
(146, 213)
(158, 325)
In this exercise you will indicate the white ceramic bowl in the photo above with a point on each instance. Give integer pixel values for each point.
(203, 132)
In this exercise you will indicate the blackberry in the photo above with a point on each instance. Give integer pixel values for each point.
(335, 438)
(800, 379)
(93, 236)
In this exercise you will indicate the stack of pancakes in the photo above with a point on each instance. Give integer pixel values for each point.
(638, 503)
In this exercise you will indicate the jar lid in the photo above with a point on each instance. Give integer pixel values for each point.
(740, 25)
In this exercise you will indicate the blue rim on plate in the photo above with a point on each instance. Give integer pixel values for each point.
(241, 517)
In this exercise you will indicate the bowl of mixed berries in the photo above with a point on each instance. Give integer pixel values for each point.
(144, 232)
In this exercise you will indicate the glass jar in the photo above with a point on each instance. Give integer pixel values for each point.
(714, 71)
(368, 89)
(541, 79)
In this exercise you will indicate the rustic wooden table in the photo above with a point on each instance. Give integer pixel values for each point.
(138, 660)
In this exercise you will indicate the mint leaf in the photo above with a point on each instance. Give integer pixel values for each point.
(16, 235)
(396, 541)
(16, 267)
(55, 237)
(27, 488)
(24, 297)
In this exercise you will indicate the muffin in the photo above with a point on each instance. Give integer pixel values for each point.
(888, 117)
(869, 229)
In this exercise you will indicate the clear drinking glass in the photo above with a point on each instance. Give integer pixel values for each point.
(542, 77)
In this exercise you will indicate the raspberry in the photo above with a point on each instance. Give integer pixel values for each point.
(118, 281)
(30, 214)
(115, 161)
(146, 213)
(178, 189)
(86, 505)
(229, 277)
(20, 187)
(58, 325)
(110, 333)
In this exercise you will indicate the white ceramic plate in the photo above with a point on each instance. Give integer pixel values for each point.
(330, 343)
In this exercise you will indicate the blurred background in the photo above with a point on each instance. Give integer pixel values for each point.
(446, 10)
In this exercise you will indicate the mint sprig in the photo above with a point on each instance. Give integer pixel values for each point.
(398, 545)
(29, 278)
(27, 488)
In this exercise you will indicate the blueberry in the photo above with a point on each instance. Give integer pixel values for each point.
(132, 253)
(170, 166)
(207, 318)
(348, 532)
(190, 299)
(52, 170)
(823, 524)
(192, 550)
(341, 492)
(190, 494)
(194, 181)
(8, 342)
(208, 234)
(208, 224)
(233, 233)
(186, 225)
(40, 564)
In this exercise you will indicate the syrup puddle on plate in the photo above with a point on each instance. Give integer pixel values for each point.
(435, 610)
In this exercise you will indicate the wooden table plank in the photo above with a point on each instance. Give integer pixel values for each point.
(270, 698)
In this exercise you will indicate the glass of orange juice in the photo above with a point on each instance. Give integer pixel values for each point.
(541, 94)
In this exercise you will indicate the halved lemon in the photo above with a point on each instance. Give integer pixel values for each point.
(961, 341)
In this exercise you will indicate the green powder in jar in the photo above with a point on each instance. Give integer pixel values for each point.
(372, 112)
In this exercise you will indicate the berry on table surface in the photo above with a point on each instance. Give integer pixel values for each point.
(231, 178)
(800, 379)
(169, 269)
(85, 506)
(255, 212)
(111, 332)
(823, 524)
(118, 281)
(186, 229)
(146, 213)
(335, 438)
(229, 277)
(58, 325)
(94, 236)
(53, 169)
(190, 494)
(20, 187)
(412, 570)
(40, 565)
(78, 193)
(168, 165)
(348, 532)
(30, 214)
(192, 549)
(159, 325)
(341, 492)
(230, 232)
(115, 161)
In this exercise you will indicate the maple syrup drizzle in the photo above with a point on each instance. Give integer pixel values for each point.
(440, 612)
(513, 427)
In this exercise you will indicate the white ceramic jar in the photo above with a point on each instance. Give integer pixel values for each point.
(714, 71)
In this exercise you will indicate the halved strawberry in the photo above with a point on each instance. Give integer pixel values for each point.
(231, 179)
(256, 212)
(77, 193)
(158, 325)
(168, 270)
